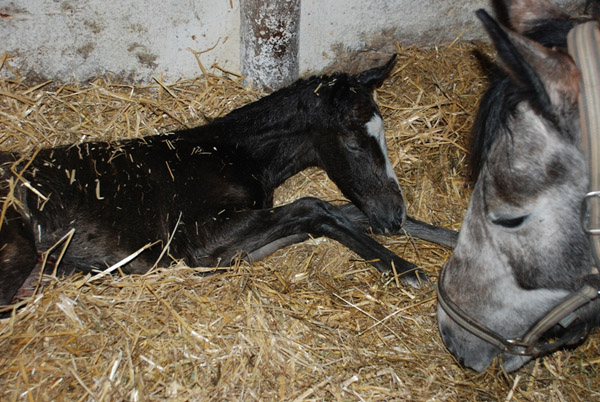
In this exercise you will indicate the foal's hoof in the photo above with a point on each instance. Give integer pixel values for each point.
(416, 278)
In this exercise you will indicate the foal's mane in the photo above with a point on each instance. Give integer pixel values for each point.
(308, 95)
(312, 101)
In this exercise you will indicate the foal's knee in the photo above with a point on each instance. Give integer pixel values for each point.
(310, 206)
(319, 213)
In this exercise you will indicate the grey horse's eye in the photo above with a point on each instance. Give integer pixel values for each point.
(509, 221)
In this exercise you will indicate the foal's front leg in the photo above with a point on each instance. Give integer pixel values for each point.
(261, 232)
(412, 226)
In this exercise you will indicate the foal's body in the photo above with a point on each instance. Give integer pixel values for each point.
(206, 194)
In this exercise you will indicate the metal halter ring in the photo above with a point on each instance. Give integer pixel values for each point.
(585, 216)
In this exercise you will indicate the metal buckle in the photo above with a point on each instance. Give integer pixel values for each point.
(585, 224)
(515, 346)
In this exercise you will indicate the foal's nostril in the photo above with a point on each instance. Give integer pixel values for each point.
(396, 219)
(401, 211)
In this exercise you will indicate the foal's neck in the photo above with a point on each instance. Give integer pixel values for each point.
(276, 137)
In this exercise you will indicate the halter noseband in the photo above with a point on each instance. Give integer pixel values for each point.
(584, 47)
(531, 344)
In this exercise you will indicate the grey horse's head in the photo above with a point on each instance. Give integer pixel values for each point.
(521, 248)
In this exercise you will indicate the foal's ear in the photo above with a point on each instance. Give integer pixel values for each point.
(524, 15)
(374, 77)
(548, 74)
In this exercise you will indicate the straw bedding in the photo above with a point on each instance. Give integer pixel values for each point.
(311, 322)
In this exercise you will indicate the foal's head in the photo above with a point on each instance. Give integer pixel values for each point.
(521, 248)
(351, 146)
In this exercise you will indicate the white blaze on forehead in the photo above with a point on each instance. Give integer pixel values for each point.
(376, 130)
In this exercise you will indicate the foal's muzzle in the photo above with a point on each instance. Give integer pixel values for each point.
(386, 213)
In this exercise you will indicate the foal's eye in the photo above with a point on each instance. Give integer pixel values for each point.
(353, 146)
(509, 221)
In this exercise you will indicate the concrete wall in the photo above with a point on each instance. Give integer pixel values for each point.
(136, 39)
(345, 30)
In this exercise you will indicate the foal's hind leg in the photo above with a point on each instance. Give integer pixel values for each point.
(18, 254)
(260, 232)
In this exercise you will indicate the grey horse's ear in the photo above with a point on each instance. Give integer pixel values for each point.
(549, 75)
(592, 7)
(525, 14)
(374, 77)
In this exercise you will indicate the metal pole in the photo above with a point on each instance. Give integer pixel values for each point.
(269, 42)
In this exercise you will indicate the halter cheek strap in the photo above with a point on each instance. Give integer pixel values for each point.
(584, 47)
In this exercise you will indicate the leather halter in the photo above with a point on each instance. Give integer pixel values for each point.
(584, 47)
(531, 344)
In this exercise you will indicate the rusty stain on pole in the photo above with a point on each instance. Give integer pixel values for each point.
(269, 42)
